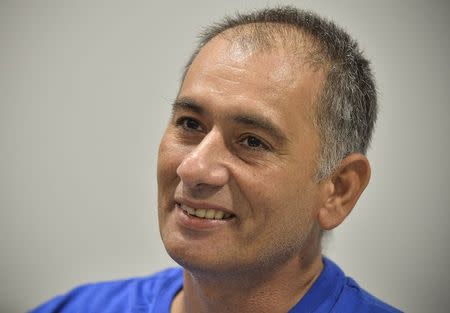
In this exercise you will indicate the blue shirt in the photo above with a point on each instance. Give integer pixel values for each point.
(332, 292)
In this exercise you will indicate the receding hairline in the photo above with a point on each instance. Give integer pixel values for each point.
(302, 47)
(269, 36)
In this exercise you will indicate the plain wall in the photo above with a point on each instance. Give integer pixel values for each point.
(85, 93)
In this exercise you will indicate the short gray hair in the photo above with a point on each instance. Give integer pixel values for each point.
(347, 105)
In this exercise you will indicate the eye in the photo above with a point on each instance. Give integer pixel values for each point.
(254, 143)
(189, 124)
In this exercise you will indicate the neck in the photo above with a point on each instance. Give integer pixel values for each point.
(268, 291)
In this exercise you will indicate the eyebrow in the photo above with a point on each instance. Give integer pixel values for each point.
(262, 123)
(254, 121)
(187, 104)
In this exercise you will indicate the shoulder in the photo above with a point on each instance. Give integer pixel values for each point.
(115, 296)
(353, 298)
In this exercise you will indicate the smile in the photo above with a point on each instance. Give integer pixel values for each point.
(205, 213)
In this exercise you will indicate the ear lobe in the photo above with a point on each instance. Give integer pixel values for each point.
(343, 190)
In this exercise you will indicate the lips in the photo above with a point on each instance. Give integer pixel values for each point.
(205, 213)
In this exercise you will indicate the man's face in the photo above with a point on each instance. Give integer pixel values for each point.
(242, 149)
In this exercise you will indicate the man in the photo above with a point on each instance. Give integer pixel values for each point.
(264, 152)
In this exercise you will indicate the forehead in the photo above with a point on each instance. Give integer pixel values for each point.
(238, 63)
(228, 76)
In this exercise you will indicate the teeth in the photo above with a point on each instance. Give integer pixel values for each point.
(210, 213)
(190, 210)
(203, 213)
(218, 215)
(200, 213)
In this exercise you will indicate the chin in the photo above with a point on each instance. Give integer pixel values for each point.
(199, 261)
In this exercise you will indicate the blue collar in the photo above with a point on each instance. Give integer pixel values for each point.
(325, 290)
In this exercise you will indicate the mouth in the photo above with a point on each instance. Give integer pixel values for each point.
(202, 213)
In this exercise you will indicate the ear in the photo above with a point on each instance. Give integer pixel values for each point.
(342, 190)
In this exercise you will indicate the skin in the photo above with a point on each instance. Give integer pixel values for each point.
(242, 138)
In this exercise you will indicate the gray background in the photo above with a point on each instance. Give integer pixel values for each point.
(85, 92)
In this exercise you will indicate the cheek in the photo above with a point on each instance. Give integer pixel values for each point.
(280, 197)
(169, 159)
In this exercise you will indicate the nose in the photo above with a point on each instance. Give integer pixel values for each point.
(205, 165)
